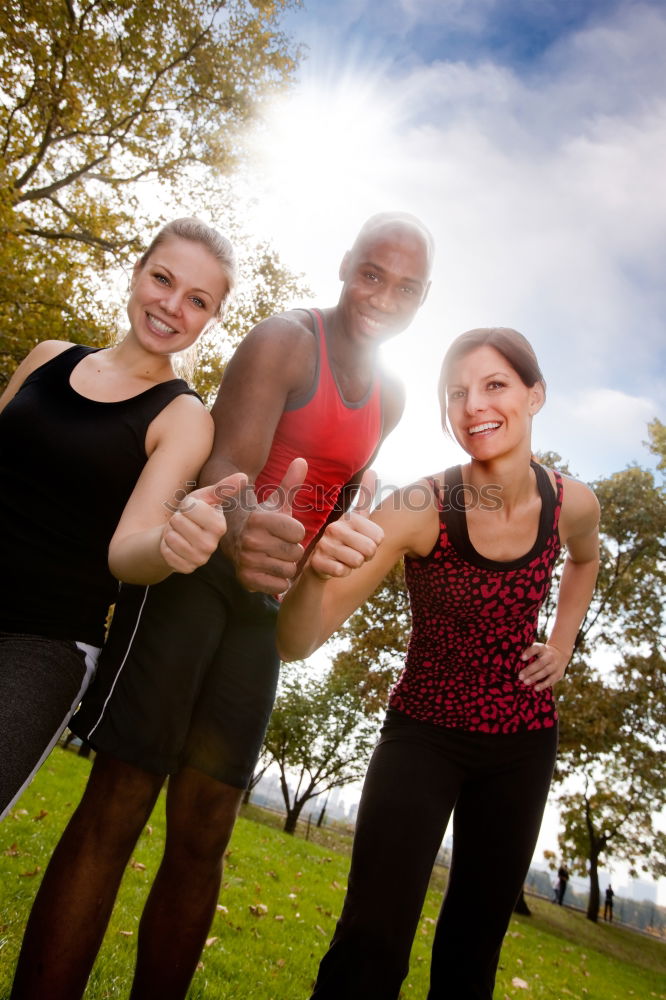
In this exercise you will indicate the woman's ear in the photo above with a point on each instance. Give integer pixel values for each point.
(537, 397)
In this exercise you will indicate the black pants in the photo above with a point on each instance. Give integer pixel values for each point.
(497, 788)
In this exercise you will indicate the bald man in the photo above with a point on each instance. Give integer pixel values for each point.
(187, 680)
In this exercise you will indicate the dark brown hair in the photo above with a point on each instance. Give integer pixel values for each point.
(509, 343)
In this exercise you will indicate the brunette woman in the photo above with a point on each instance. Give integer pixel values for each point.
(471, 727)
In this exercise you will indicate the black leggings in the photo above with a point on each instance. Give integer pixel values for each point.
(418, 774)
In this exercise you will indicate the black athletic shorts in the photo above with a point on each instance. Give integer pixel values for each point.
(187, 676)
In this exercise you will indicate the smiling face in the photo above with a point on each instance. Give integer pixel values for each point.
(386, 279)
(489, 407)
(176, 293)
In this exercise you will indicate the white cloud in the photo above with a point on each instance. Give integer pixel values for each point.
(600, 424)
(545, 193)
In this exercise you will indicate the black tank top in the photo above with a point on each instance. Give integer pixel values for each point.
(68, 465)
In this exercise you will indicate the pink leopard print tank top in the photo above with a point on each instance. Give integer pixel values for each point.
(472, 618)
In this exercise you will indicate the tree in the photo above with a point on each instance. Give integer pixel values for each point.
(319, 734)
(613, 712)
(107, 104)
(657, 442)
(374, 641)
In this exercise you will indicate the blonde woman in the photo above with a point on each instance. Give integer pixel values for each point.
(93, 445)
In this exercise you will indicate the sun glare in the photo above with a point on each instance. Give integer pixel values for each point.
(324, 157)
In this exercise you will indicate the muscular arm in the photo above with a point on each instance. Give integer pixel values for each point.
(273, 365)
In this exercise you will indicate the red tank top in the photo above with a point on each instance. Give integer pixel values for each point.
(337, 438)
(472, 618)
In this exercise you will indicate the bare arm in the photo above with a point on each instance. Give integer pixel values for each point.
(348, 563)
(158, 534)
(272, 366)
(579, 530)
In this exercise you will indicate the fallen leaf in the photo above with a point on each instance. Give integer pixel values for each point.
(335, 885)
(210, 941)
(12, 852)
(281, 963)
(148, 830)
(520, 984)
(137, 864)
(40, 815)
(259, 910)
(35, 871)
(278, 916)
(221, 909)
(200, 966)
(126, 933)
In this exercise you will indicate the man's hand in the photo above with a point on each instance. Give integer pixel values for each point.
(193, 532)
(268, 547)
(350, 541)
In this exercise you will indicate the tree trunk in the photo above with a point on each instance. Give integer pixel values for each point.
(322, 813)
(293, 812)
(593, 902)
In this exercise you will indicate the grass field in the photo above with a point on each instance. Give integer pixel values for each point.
(278, 908)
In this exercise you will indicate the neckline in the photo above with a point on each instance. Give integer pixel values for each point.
(458, 531)
(107, 402)
(349, 404)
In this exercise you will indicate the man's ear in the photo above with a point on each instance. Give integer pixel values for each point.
(344, 266)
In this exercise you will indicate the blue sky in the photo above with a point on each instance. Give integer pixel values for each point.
(530, 135)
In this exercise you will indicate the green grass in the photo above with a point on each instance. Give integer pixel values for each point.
(273, 955)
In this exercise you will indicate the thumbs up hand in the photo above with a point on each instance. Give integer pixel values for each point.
(194, 530)
(268, 548)
(350, 541)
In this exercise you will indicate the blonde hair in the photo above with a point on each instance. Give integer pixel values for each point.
(219, 246)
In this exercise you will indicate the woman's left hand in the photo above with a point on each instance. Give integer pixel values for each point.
(544, 665)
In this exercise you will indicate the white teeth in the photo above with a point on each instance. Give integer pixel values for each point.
(162, 327)
(373, 323)
(483, 427)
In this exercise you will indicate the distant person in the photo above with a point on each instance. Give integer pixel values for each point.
(91, 443)
(188, 677)
(608, 904)
(471, 727)
(562, 879)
